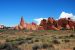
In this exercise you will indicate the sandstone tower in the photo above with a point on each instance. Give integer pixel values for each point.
(22, 23)
(27, 26)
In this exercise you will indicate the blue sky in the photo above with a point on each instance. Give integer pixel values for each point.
(12, 10)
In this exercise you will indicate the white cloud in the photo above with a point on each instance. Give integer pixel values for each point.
(62, 15)
(38, 20)
(67, 15)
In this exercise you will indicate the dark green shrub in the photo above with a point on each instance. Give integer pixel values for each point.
(55, 42)
(19, 39)
(2, 30)
(36, 47)
(30, 41)
(8, 40)
(20, 42)
(8, 46)
(66, 36)
(73, 48)
(29, 38)
(72, 35)
(2, 46)
(50, 45)
(66, 40)
(36, 40)
(45, 46)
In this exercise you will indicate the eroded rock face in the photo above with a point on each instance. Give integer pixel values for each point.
(43, 24)
(71, 23)
(26, 26)
(49, 24)
(66, 23)
(22, 25)
(63, 22)
(16, 27)
(40, 28)
(52, 24)
(31, 27)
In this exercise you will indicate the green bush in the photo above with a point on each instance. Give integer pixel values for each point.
(73, 48)
(66, 40)
(35, 47)
(55, 42)
(45, 46)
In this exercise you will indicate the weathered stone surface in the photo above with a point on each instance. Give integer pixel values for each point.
(40, 28)
(26, 26)
(31, 27)
(49, 24)
(66, 23)
(44, 24)
(52, 24)
(63, 22)
(22, 25)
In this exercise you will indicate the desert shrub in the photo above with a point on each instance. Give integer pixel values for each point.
(8, 40)
(19, 39)
(30, 38)
(45, 46)
(66, 40)
(30, 41)
(35, 47)
(60, 37)
(20, 42)
(55, 42)
(36, 40)
(72, 35)
(8, 46)
(50, 45)
(2, 30)
(66, 36)
(54, 37)
(73, 48)
(14, 42)
(2, 46)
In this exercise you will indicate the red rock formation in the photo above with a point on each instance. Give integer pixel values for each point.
(71, 23)
(22, 22)
(31, 27)
(49, 24)
(26, 26)
(66, 23)
(43, 24)
(63, 22)
(33, 23)
(50, 21)
(52, 24)
(41, 28)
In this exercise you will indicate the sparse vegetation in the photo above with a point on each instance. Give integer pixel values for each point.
(36, 40)
(56, 42)
(73, 48)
